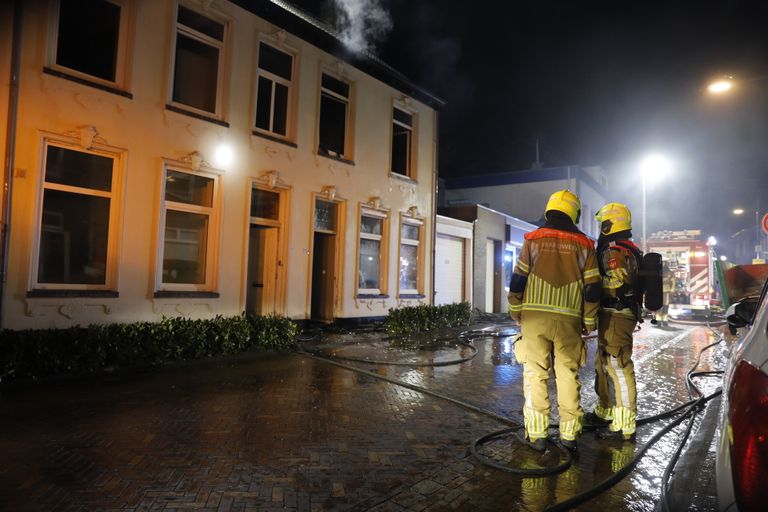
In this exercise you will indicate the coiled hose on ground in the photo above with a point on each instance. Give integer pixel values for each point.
(687, 410)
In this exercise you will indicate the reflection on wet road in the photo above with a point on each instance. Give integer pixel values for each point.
(294, 432)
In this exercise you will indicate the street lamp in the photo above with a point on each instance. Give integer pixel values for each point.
(740, 211)
(721, 85)
(654, 167)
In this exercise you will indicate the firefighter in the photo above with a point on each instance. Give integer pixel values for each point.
(619, 261)
(554, 295)
(661, 317)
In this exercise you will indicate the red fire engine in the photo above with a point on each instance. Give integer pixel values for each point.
(689, 259)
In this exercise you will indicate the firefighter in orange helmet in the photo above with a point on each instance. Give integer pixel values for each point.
(553, 295)
(619, 261)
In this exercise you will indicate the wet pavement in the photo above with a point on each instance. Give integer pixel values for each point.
(297, 432)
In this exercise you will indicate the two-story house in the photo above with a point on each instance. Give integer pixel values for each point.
(203, 157)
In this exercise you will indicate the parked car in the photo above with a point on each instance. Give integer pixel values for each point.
(742, 455)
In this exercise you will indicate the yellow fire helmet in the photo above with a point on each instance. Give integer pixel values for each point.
(614, 217)
(567, 202)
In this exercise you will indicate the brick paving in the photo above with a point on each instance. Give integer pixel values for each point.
(290, 432)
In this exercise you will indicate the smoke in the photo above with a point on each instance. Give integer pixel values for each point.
(362, 24)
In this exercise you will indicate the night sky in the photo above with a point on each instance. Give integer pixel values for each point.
(598, 83)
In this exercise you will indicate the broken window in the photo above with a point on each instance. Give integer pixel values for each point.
(197, 66)
(402, 142)
(85, 45)
(334, 113)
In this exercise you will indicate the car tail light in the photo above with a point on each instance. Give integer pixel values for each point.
(748, 416)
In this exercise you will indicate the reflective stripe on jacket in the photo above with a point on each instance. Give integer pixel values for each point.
(552, 273)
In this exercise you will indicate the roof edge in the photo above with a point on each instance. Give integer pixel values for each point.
(310, 29)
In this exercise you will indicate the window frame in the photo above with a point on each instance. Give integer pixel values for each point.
(292, 85)
(123, 55)
(210, 283)
(115, 195)
(348, 154)
(222, 46)
(411, 157)
(383, 239)
(418, 223)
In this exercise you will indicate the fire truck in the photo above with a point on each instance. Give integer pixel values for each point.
(690, 261)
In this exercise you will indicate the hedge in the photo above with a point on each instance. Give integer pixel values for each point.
(412, 319)
(37, 353)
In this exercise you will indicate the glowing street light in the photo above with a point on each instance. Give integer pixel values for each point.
(721, 86)
(652, 168)
(740, 211)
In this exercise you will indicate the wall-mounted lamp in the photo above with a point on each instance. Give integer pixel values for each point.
(223, 156)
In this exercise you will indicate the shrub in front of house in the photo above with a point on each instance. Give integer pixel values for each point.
(36, 353)
(412, 319)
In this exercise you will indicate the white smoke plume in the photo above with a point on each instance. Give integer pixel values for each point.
(362, 24)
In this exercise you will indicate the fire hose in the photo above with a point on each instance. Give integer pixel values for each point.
(687, 410)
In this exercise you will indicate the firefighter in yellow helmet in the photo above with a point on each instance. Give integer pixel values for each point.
(619, 261)
(554, 295)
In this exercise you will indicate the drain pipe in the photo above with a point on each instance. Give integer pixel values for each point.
(10, 145)
(436, 191)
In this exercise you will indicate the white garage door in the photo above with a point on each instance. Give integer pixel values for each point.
(449, 269)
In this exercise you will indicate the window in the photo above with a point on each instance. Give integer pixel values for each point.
(188, 234)
(265, 204)
(77, 244)
(197, 70)
(370, 265)
(325, 216)
(410, 256)
(90, 40)
(273, 90)
(402, 142)
(334, 117)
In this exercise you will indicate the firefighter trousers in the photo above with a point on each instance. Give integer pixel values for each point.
(615, 372)
(548, 337)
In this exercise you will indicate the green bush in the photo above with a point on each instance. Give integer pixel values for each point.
(36, 353)
(273, 331)
(412, 319)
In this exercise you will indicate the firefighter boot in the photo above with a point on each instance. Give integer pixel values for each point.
(536, 429)
(570, 431)
(539, 445)
(623, 426)
(600, 418)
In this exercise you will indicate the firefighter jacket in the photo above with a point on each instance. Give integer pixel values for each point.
(556, 273)
(618, 262)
